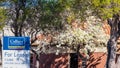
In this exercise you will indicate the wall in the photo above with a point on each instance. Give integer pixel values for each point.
(97, 60)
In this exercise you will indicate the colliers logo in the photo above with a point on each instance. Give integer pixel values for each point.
(16, 43)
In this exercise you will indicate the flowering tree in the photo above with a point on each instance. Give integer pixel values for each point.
(91, 36)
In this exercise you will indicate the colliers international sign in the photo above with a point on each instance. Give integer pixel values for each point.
(16, 52)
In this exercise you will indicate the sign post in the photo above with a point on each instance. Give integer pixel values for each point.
(16, 52)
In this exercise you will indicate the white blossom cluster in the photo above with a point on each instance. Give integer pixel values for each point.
(93, 36)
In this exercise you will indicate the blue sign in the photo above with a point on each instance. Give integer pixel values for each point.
(16, 43)
(16, 52)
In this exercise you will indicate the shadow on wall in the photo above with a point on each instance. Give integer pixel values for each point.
(53, 61)
(96, 60)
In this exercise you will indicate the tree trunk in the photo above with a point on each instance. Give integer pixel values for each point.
(112, 57)
(111, 54)
(16, 32)
(18, 26)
